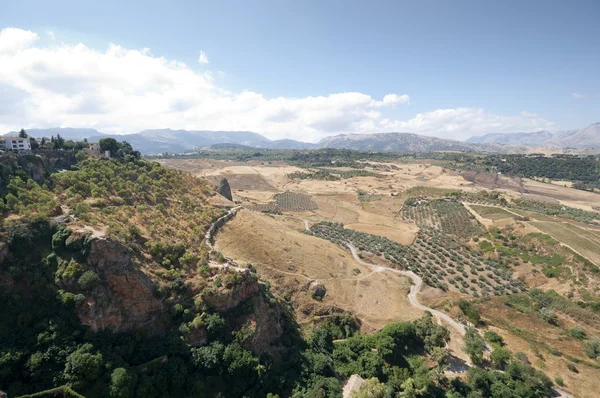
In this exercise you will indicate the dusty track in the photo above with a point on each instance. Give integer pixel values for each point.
(414, 289)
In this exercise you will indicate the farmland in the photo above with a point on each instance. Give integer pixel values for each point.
(583, 241)
(441, 260)
(447, 215)
(495, 247)
(287, 201)
(492, 213)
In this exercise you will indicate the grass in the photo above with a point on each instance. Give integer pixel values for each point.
(492, 213)
(579, 239)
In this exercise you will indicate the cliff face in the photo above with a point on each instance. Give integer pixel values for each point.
(124, 300)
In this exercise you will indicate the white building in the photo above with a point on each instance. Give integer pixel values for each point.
(14, 143)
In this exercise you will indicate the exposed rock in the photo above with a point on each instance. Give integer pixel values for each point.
(317, 290)
(125, 298)
(224, 189)
(225, 299)
(267, 324)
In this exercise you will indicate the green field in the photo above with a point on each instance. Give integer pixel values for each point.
(581, 240)
(492, 213)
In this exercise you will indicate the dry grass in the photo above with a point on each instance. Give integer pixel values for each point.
(583, 241)
(492, 213)
(290, 260)
(529, 334)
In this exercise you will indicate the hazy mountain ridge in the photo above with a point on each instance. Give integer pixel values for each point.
(587, 137)
(405, 142)
(177, 141)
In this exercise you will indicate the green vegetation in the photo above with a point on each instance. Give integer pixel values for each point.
(557, 210)
(557, 167)
(287, 201)
(331, 174)
(492, 213)
(438, 258)
(446, 215)
(367, 197)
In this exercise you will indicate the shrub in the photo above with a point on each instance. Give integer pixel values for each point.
(500, 357)
(559, 381)
(548, 315)
(88, 280)
(494, 338)
(577, 332)
(592, 347)
(572, 368)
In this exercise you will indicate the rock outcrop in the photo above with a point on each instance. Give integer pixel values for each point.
(317, 290)
(224, 189)
(124, 299)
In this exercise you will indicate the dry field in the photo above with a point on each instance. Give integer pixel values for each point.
(583, 241)
(492, 213)
(290, 260)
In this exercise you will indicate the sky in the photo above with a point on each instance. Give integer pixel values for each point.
(301, 69)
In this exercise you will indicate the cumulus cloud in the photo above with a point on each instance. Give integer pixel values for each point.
(392, 99)
(12, 39)
(462, 123)
(203, 59)
(578, 95)
(120, 90)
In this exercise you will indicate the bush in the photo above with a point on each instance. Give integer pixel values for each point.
(577, 332)
(548, 315)
(592, 347)
(494, 338)
(572, 368)
(500, 357)
(559, 381)
(88, 280)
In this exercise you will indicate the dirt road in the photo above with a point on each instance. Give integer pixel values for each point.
(414, 289)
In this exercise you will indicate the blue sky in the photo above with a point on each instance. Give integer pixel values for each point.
(468, 67)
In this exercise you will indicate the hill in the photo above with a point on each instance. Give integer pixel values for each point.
(588, 137)
(406, 142)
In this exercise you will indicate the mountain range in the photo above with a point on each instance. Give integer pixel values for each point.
(177, 141)
(587, 137)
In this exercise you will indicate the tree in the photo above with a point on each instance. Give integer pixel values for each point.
(500, 357)
(83, 366)
(88, 280)
(371, 388)
(22, 133)
(121, 383)
(474, 345)
(80, 156)
(109, 144)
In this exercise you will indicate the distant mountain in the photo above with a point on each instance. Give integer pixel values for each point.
(533, 139)
(177, 141)
(403, 142)
(67, 133)
(291, 144)
(588, 137)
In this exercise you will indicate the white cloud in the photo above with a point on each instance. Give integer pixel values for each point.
(121, 90)
(203, 59)
(462, 123)
(578, 95)
(51, 34)
(392, 99)
(12, 39)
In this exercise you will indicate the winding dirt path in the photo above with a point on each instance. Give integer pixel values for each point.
(414, 289)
